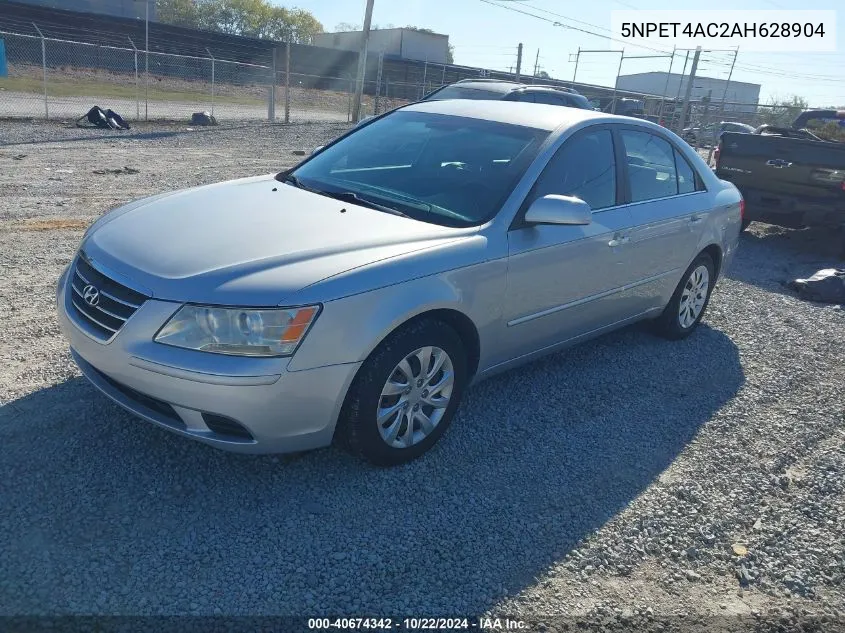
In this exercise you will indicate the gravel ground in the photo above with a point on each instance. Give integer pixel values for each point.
(625, 482)
(25, 104)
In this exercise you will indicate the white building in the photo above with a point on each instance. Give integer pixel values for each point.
(404, 43)
(738, 92)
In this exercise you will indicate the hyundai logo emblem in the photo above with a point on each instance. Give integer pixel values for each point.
(91, 295)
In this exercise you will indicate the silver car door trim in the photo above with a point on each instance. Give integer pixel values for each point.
(674, 196)
(195, 376)
(553, 346)
(601, 295)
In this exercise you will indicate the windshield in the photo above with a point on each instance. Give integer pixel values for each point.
(448, 170)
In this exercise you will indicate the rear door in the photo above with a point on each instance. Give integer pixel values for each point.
(668, 204)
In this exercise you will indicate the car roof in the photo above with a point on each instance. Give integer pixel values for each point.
(504, 86)
(565, 91)
(533, 115)
(493, 85)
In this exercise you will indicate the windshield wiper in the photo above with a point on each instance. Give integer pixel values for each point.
(354, 198)
(296, 182)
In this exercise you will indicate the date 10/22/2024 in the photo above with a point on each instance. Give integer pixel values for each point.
(418, 624)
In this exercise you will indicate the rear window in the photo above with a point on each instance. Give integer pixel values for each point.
(464, 92)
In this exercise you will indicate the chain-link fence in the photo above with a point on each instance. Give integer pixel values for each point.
(61, 79)
(55, 78)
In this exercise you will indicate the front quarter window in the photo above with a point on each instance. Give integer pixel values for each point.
(449, 170)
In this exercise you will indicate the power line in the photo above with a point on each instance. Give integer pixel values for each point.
(750, 67)
(573, 28)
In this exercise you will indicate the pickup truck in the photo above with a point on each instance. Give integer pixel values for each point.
(790, 177)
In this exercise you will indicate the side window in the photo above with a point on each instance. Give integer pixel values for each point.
(686, 174)
(583, 167)
(547, 98)
(651, 166)
(523, 97)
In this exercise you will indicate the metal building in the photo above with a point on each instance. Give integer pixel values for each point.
(738, 92)
(119, 8)
(404, 43)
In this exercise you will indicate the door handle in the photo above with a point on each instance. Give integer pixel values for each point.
(618, 240)
(779, 163)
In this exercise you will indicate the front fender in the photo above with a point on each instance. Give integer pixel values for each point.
(349, 329)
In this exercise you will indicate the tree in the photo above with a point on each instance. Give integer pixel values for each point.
(543, 75)
(252, 18)
(782, 112)
(345, 27)
(450, 54)
(178, 12)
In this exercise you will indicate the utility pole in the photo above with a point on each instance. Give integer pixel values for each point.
(688, 92)
(362, 62)
(616, 83)
(518, 60)
(577, 57)
(728, 83)
(680, 85)
(537, 63)
(665, 89)
(705, 118)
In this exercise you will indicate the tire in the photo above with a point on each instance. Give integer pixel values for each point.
(359, 430)
(674, 325)
(745, 225)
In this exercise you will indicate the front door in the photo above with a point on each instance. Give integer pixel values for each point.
(563, 280)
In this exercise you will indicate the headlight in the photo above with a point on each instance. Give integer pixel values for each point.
(238, 331)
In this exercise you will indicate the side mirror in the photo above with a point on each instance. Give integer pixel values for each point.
(317, 149)
(554, 209)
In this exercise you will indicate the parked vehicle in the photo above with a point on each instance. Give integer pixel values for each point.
(710, 134)
(356, 296)
(494, 89)
(627, 107)
(788, 176)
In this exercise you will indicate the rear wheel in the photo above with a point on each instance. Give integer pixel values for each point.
(689, 301)
(405, 394)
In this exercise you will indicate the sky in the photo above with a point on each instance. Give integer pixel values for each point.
(487, 36)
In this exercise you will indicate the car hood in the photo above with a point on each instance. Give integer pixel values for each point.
(253, 241)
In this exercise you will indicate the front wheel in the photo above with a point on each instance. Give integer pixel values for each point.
(689, 301)
(405, 394)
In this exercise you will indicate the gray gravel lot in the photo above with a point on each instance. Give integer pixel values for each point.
(616, 480)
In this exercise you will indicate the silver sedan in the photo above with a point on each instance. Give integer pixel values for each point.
(355, 297)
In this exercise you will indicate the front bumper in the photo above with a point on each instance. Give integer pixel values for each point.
(247, 405)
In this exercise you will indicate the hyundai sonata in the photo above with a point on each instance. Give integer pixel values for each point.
(356, 296)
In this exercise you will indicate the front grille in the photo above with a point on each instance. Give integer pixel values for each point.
(115, 303)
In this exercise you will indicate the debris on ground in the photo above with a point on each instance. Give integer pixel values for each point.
(105, 119)
(203, 118)
(826, 286)
(125, 170)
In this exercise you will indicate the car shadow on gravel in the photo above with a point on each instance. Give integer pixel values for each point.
(105, 513)
(770, 256)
